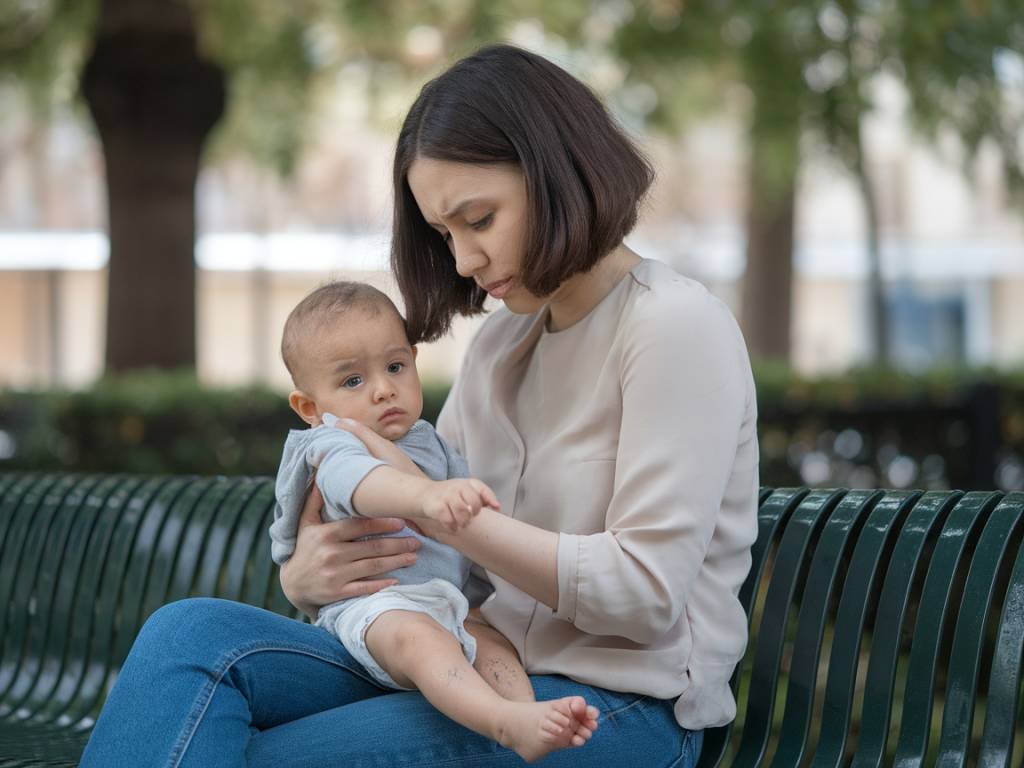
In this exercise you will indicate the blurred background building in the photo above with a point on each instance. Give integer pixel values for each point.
(952, 247)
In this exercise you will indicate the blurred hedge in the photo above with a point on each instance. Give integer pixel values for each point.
(866, 428)
(153, 423)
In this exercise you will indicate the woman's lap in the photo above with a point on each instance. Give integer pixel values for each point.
(403, 729)
(216, 683)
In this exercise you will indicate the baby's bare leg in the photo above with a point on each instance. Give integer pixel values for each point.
(497, 661)
(418, 652)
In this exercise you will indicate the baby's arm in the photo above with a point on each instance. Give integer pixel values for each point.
(387, 492)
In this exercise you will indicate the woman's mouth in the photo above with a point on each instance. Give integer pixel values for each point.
(498, 290)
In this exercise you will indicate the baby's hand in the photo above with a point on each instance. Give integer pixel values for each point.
(453, 503)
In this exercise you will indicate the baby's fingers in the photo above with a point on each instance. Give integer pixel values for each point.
(472, 500)
(451, 521)
(487, 495)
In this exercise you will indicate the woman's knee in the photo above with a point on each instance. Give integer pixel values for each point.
(200, 623)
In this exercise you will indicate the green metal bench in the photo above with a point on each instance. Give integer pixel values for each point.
(887, 627)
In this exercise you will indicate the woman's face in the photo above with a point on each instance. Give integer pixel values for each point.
(480, 211)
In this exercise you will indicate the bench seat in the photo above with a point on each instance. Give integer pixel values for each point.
(887, 627)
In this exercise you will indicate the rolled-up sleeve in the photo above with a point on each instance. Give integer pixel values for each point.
(683, 376)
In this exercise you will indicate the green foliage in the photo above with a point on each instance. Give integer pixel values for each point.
(812, 64)
(156, 422)
(43, 45)
(955, 59)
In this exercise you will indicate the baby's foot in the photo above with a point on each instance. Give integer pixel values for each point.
(534, 729)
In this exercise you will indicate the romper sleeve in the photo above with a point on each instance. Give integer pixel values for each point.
(342, 461)
(684, 377)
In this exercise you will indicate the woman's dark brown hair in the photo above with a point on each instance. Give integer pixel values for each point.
(584, 178)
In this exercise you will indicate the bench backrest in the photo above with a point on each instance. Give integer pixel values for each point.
(885, 626)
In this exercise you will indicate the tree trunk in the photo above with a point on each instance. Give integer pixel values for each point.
(767, 293)
(880, 354)
(154, 101)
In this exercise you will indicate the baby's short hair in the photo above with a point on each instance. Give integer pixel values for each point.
(325, 305)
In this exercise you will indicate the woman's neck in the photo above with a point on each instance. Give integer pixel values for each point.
(578, 295)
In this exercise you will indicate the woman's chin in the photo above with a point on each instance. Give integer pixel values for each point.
(522, 305)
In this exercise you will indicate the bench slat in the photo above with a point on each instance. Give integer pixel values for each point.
(774, 510)
(19, 571)
(961, 527)
(1004, 687)
(866, 571)
(791, 560)
(837, 540)
(969, 638)
(61, 574)
(906, 572)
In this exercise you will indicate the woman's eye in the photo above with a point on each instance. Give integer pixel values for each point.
(482, 223)
(352, 382)
(396, 367)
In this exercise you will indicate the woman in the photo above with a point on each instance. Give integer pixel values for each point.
(610, 406)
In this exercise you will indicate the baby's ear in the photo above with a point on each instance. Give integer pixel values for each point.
(414, 351)
(305, 406)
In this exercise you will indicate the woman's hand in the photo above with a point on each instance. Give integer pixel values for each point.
(381, 447)
(329, 565)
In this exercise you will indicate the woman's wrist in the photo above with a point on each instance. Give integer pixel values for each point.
(522, 554)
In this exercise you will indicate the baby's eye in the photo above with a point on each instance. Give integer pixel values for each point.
(396, 367)
(352, 382)
(482, 223)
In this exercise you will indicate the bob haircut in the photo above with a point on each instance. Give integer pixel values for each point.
(584, 178)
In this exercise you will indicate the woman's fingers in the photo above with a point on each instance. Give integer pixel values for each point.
(382, 547)
(363, 588)
(488, 497)
(375, 565)
(354, 528)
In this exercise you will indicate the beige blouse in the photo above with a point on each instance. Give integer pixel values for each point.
(633, 434)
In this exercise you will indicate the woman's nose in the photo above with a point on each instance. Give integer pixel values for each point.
(469, 257)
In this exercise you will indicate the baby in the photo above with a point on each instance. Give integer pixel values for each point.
(346, 348)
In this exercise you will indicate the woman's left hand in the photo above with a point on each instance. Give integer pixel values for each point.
(381, 447)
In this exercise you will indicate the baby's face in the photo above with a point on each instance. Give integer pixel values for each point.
(366, 371)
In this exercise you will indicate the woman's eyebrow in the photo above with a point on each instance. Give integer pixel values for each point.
(462, 206)
(458, 208)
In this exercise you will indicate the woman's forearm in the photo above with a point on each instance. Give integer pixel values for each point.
(518, 552)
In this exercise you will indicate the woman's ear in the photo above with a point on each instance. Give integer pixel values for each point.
(305, 406)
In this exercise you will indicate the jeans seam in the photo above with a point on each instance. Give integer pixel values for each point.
(683, 751)
(192, 724)
(687, 748)
(620, 710)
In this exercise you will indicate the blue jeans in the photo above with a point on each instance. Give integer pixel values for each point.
(216, 683)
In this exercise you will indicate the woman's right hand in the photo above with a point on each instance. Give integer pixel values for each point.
(329, 565)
